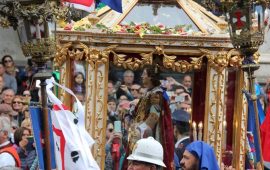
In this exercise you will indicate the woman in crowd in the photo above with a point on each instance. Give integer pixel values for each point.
(12, 70)
(115, 152)
(25, 147)
(17, 106)
(26, 97)
(9, 65)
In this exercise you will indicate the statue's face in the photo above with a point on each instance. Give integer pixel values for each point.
(154, 99)
(146, 80)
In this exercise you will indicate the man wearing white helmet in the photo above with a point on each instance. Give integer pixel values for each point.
(147, 154)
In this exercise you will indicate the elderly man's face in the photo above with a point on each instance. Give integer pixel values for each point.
(3, 135)
(110, 88)
(8, 96)
(187, 82)
(137, 165)
(128, 78)
(189, 161)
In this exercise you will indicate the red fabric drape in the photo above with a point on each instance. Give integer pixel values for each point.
(167, 136)
(265, 136)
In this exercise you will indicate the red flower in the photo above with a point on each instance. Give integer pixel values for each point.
(68, 27)
(266, 22)
(137, 27)
(161, 26)
(123, 30)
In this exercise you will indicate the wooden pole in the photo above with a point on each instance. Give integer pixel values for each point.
(42, 75)
(250, 68)
(46, 131)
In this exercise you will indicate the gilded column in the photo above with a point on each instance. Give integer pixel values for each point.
(240, 122)
(62, 70)
(62, 62)
(215, 96)
(215, 105)
(96, 109)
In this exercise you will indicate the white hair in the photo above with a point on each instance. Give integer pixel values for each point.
(128, 72)
(5, 125)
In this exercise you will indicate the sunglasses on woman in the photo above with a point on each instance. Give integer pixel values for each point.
(8, 61)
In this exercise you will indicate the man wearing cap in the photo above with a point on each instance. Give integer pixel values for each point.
(147, 154)
(199, 155)
(181, 129)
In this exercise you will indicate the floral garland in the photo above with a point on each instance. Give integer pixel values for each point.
(139, 29)
(146, 28)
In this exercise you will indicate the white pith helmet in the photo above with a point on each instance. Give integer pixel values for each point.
(148, 150)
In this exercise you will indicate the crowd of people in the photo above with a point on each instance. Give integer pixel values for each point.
(17, 148)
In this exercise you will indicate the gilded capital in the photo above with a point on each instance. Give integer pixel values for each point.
(222, 59)
(61, 55)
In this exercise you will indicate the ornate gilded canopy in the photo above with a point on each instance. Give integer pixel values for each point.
(179, 27)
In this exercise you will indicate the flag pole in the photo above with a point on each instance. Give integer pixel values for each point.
(46, 128)
(250, 68)
(42, 75)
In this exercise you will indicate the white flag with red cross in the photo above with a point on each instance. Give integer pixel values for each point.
(72, 141)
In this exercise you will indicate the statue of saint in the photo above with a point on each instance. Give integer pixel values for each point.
(152, 116)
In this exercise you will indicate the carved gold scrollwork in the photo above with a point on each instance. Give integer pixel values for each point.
(216, 110)
(170, 62)
(122, 60)
(61, 54)
(76, 54)
(222, 59)
(218, 61)
(93, 55)
(181, 65)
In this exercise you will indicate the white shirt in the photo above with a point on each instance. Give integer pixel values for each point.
(6, 159)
